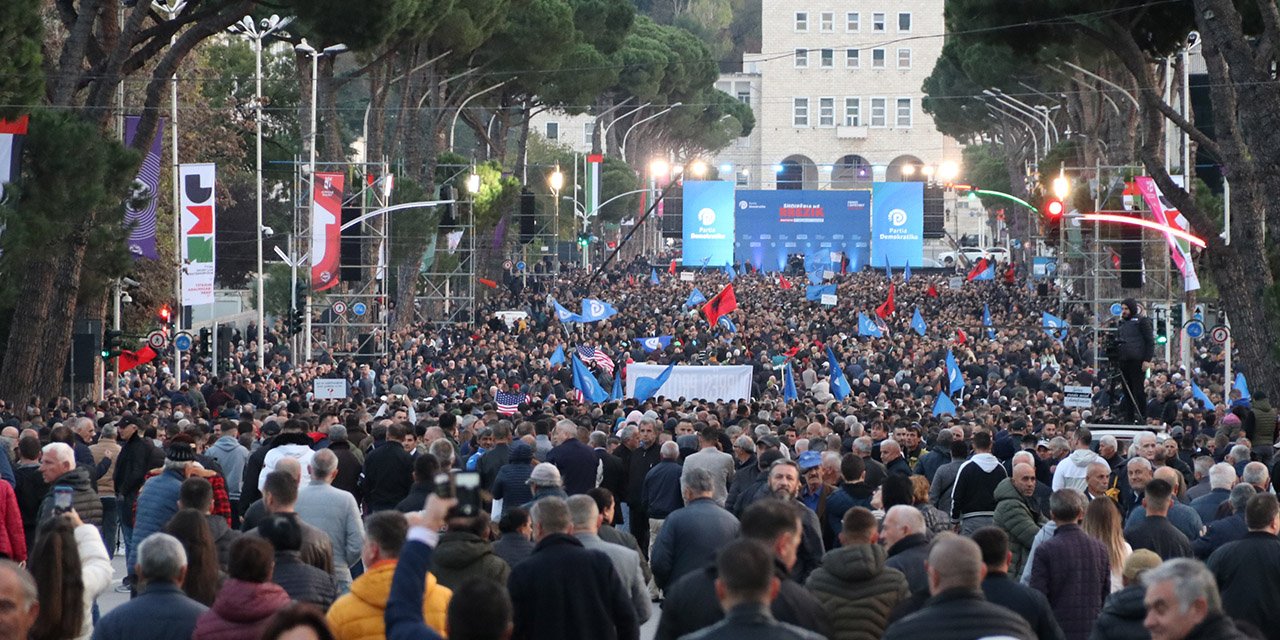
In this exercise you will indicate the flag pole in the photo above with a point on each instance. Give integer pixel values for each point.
(639, 222)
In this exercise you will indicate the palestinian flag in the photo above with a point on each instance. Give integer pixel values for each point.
(12, 133)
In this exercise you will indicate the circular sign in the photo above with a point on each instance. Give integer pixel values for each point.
(506, 264)
(1220, 334)
(359, 308)
(1194, 329)
(520, 266)
(157, 340)
(182, 341)
(1116, 309)
(339, 307)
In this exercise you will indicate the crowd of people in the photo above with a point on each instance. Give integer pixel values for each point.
(245, 507)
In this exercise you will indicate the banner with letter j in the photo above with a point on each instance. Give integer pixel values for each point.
(326, 235)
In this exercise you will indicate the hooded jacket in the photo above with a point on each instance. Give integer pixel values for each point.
(240, 611)
(359, 615)
(857, 591)
(1073, 471)
(83, 498)
(461, 555)
(975, 487)
(511, 485)
(1122, 616)
(1016, 516)
(232, 458)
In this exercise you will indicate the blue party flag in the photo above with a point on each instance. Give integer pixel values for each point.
(1199, 394)
(1243, 386)
(695, 298)
(565, 315)
(728, 270)
(593, 310)
(867, 327)
(917, 323)
(814, 292)
(653, 276)
(944, 405)
(789, 385)
(728, 324)
(655, 343)
(986, 321)
(647, 387)
(557, 358)
(888, 273)
(1054, 326)
(906, 272)
(815, 276)
(955, 379)
(704, 263)
(585, 381)
(839, 385)
(617, 394)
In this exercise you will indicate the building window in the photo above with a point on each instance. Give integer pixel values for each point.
(877, 22)
(802, 21)
(802, 58)
(852, 22)
(827, 21)
(828, 58)
(904, 58)
(800, 112)
(587, 130)
(877, 58)
(878, 112)
(853, 112)
(904, 22)
(743, 178)
(851, 59)
(826, 112)
(553, 130)
(744, 96)
(904, 113)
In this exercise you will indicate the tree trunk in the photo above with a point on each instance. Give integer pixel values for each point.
(331, 126)
(56, 339)
(25, 351)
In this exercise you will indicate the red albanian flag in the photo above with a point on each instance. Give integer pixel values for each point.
(885, 310)
(784, 282)
(672, 269)
(932, 292)
(721, 304)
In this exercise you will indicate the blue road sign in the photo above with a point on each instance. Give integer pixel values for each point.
(359, 308)
(182, 341)
(1194, 329)
(1116, 309)
(520, 266)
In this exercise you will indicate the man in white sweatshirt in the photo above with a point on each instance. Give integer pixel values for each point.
(1073, 471)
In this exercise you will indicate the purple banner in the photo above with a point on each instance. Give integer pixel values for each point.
(142, 222)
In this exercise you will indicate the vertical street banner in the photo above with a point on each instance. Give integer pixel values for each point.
(12, 133)
(196, 186)
(140, 208)
(1165, 214)
(326, 226)
(594, 160)
(897, 223)
(708, 222)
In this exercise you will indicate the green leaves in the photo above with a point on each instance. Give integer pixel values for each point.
(21, 77)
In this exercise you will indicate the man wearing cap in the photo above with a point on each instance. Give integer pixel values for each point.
(814, 493)
(545, 482)
(158, 500)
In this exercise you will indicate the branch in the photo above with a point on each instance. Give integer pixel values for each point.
(108, 73)
(73, 53)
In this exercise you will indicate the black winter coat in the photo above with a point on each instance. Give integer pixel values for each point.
(1135, 339)
(303, 582)
(1122, 616)
(959, 614)
(908, 556)
(388, 476)
(1248, 575)
(1073, 570)
(999, 588)
(752, 622)
(691, 604)
(564, 590)
(137, 457)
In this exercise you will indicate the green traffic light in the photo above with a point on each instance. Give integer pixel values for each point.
(1161, 339)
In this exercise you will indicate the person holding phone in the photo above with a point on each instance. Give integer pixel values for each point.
(59, 471)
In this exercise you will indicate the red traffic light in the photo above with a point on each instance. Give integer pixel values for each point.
(1053, 208)
(165, 314)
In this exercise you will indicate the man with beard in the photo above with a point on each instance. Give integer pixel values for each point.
(784, 484)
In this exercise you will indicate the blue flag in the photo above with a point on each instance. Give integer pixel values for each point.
(815, 276)
(565, 315)
(986, 321)
(917, 323)
(655, 343)
(1243, 386)
(867, 327)
(955, 379)
(653, 276)
(647, 387)
(593, 310)
(585, 381)
(728, 324)
(944, 405)
(704, 263)
(814, 292)
(906, 272)
(789, 384)
(1054, 326)
(888, 273)
(695, 298)
(839, 385)
(557, 358)
(617, 394)
(728, 270)
(1199, 394)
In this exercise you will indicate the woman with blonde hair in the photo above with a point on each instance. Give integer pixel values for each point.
(1102, 521)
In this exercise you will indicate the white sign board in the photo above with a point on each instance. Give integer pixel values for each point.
(1077, 397)
(828, 274)
(701, 382)
(329, 389)
(956, 282)
(686, 276)
(837, 256)
(829, 299)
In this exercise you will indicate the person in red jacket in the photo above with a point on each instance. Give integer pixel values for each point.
(248, 598)
(13, 541)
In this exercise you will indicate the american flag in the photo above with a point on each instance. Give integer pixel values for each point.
(598, 356)
(509, 403)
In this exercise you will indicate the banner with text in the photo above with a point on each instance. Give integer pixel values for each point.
(326, 235)
(897, 224)
(823, 226)
(199, 215)
(708, 222)
(703, 383)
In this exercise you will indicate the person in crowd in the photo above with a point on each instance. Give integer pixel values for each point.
(565, 590)
(1183, 517)
(1072, 569)
(943, 483)
(350, 460)
(719, 464)
(661, 490)
(202, 579)
(938, 455)
(745, 587)
(998, 588)
(333, 511)
(31, 488)
(544, 482)
(642, 454)
(957, 609)
(360, 613)
(105, 449)
(1222, 477)
(232, 457)
(464, 551)
(1248, 570)
(303, 582)
(515, 536)
(1227, 529)
(292, 442)
(1183, 603)
(157, 500)
(691, 535)
(973, 502)
(784, 483)
(197, 494)
(58, 468)
(511, 483)
(1017, 516)
(19, 601)
(248, 597)
(852, 492)
(690, 603)
(1123, 613)
(425, 468)
(298, 621)
(1072, 473)
(497, 456)
(907, 545)
(853, 584)
(1154, 531)
(161, 611)
(388, 471)
(613, 473)
(71, 569)
(280, 496)
(577, 461)
(586, 522)
(1102, 523)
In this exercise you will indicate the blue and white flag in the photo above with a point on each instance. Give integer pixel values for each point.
(653, 276)
(839, 384)
(563, 314)
(557, 358)
(867, 327)
(955, 379)
(728, 324)
(594, 310)
(1199, 394)
(944, 405)
(917, 323)
(617, 394)
(888, 273)
(814, 292)
(815, 276)
(789, 385)
(655, 343)
(647, 387)
(986, 321)
(695, 298)
(585, 381)
(729, 271)
(906, 272)
(1243, 385)
(1054, 326)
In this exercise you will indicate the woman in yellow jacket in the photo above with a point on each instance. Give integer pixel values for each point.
(358, 615)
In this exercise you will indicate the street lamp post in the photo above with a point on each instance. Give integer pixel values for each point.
(640, 122)
(308, 50)
(556, 181)
(171, 9)
(257, 33)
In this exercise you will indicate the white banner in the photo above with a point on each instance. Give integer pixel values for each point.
(199, 215)
(329, 389)
(695, 382)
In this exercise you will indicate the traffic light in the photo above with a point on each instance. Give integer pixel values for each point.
(112, 343)
(296, 321)
(1161, 326)
(205, 348)
(1053, 208)
(164, 315)
(584, 239)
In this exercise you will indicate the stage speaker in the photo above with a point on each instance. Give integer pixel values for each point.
(1130, 251)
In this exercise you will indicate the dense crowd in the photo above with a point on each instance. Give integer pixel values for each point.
(246, 507)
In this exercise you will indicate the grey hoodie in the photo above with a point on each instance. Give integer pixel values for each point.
(1072, 472)
(232, 457)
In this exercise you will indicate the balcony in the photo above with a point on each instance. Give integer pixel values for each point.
(851, 133)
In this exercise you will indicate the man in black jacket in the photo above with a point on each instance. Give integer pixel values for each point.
(643, 455)
(388, 472)
(745, 587)
(1155, 531)
(497, 455)
(137, 457)
(998, 588)
(613, 476)
(690, 603)
(1135, 344)
(1248, 570)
